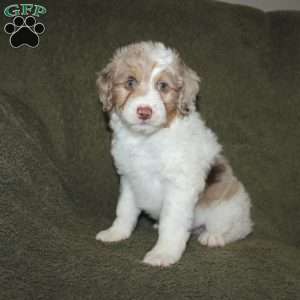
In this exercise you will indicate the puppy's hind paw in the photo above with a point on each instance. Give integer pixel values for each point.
(211, 239)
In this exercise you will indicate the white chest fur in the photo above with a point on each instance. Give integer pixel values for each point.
(140, 160)
(179, 154)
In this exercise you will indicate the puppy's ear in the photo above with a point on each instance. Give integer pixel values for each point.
(104, 83)
(189, 91)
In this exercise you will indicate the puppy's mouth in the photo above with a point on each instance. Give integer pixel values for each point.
(145, 127)
(144, 122)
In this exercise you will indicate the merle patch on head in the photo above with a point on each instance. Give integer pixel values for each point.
(24, 32)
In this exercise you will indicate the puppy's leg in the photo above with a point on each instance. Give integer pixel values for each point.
(225, 220)
(126, 216)
(223, 207)
(174, 224)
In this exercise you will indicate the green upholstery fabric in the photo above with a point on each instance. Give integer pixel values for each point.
(58, 187)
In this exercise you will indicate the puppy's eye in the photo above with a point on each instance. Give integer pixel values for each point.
(162, 86)
(131, 83)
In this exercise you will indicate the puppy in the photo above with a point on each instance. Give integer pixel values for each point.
(170, 164)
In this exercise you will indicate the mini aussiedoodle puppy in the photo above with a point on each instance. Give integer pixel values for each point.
(170, 163)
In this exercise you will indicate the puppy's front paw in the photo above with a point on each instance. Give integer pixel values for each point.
(160, 258)
(111, 235)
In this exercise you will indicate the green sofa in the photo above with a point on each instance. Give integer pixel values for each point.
(58, 187)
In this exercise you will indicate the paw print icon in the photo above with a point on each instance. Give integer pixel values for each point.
(24, 32)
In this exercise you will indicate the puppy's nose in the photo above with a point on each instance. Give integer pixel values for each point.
(144, 112)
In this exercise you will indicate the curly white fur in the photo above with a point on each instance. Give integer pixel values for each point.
(164, 166)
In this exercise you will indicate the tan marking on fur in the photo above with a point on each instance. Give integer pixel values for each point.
(121, 95)
(221, 188)
(120, 101)
(170, 98)
(232, 189)
(129, 60)
(137, 67)
(191, 85)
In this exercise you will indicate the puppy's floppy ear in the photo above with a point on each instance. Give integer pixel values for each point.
(189, 91)
(104, 83)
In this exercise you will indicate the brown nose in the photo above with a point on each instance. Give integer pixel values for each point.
(144, 112)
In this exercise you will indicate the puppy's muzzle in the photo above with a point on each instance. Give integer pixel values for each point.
(144, 112)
